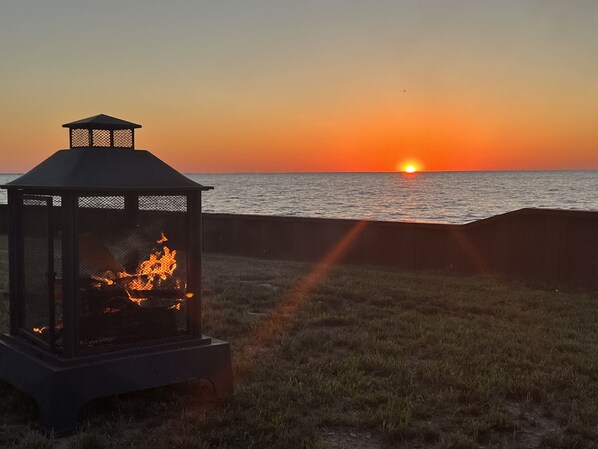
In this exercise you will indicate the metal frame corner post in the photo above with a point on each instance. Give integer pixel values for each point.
(194, 262)
(70, 273)
(15, 256)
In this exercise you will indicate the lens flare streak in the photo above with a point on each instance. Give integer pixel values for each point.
(274, 322)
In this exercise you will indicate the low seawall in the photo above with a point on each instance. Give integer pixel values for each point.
(552, 247)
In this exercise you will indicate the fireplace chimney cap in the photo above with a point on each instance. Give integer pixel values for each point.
(102, 131)
(101, 121)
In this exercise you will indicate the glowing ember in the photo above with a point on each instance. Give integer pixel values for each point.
(102, 279)
(40, 330)
(135, 300)
(111, 310)
(162, 239)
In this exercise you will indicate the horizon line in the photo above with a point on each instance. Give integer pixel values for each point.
(366, 172)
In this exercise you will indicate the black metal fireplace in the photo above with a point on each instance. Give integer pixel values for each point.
(105, 276)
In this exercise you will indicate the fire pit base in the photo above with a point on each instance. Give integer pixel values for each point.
(61, 387)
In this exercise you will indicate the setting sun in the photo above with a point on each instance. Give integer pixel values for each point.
(408, 166)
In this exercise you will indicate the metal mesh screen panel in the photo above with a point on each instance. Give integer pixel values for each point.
(123, 138)
(42, 314)
(79, 137)
(172, 203)
(101, 137)
(102, 202)
(132, 270)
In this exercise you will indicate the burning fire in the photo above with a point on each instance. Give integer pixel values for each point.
(149, 274)
(159, 266)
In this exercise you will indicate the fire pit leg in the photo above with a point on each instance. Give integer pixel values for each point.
(59, 402)
(58, 399)
(222, 379)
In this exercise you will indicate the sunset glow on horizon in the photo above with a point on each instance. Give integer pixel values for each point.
(308, 87)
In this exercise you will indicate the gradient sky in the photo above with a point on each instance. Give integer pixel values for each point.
(327, 85)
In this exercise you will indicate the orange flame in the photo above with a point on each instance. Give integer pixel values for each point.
(151, 272)
(40, 330)
(160, 265)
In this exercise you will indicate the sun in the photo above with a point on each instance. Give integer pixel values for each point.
(409, 166)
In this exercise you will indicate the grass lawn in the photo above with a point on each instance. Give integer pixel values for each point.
(356, 357)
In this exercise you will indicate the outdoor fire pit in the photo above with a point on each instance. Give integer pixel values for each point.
(105, 276)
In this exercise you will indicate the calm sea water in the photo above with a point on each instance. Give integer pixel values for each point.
(443, 197)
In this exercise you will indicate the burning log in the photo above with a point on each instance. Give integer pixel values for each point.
(177, 294)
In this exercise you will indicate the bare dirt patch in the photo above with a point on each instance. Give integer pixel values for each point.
(533, 424)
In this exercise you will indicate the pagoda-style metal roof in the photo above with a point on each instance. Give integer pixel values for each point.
(101, 121)
(102, 158)
(104, 169)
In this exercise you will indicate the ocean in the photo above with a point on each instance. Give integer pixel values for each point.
(434, 197)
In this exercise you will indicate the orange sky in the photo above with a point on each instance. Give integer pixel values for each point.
(309, 86)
